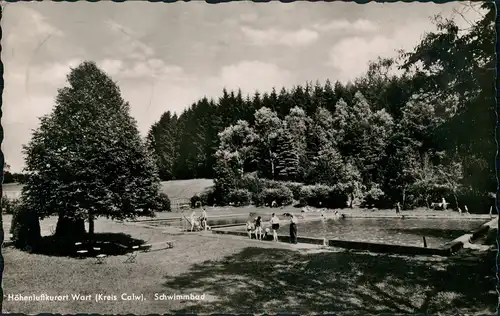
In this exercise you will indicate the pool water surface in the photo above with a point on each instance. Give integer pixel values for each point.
(385, 230)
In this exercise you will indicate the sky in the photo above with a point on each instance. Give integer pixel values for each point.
(167, 56)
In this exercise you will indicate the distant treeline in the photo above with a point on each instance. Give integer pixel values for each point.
(13, 177)
(9, 177)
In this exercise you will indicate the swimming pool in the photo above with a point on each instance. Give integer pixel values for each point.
(385, 230)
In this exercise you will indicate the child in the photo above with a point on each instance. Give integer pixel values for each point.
(204, 219)
(275, 225)
(258, 228)
(193, 220)
(250, 228)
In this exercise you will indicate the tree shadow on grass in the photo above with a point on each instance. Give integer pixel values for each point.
(276, 280)
(107, 243)
(430, 232)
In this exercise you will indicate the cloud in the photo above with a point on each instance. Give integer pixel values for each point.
(128, 44)
(151, 68)
(111, 66)
(350, 56)
(250, 76)
(25, 32)
(361, 25)
(31, 25)
(302, 37)
(249, 17)
(57, 72)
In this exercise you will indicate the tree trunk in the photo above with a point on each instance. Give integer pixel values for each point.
(272, 163)
(456, 200)
(71, 229)
(404, 198)
(91, 225)
(34, 233)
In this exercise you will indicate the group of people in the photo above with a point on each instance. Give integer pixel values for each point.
(199, 223)
(255, 227)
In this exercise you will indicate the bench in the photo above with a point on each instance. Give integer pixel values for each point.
(82, 253)
(100, 258)
(133, 255)
(169, 244)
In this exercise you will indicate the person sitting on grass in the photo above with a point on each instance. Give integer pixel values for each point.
(266, 232)
(258, 228)
(274, 204)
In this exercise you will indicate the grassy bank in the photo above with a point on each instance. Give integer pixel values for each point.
(240, 275)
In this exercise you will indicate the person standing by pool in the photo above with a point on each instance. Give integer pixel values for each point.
(398, 208)
(275, 225)
(258, 228)
(250, 228)
(204, 218)
(193, 219)
(293, 229)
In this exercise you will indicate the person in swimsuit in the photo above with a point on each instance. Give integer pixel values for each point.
(204, 219)
(275, 225)
(250, 228)
(258, 228)
(193, 220)
(293, 229)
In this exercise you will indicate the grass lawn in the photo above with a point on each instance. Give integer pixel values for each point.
(185, 189)
(180, 189)
(239, 275)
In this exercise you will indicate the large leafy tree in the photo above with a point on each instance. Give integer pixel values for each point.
(87, 158)
(456, 69)
(268, 127)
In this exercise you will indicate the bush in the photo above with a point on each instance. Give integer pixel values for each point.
(163, 203)
(240, 197)
(295, 187)
(207, 197)
(322, 196)
(252, 183)
(374, 198)
(9, 205)
(282, 195)
(195, 201)
(25, 228)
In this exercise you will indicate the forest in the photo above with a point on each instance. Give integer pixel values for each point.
(413, 129)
